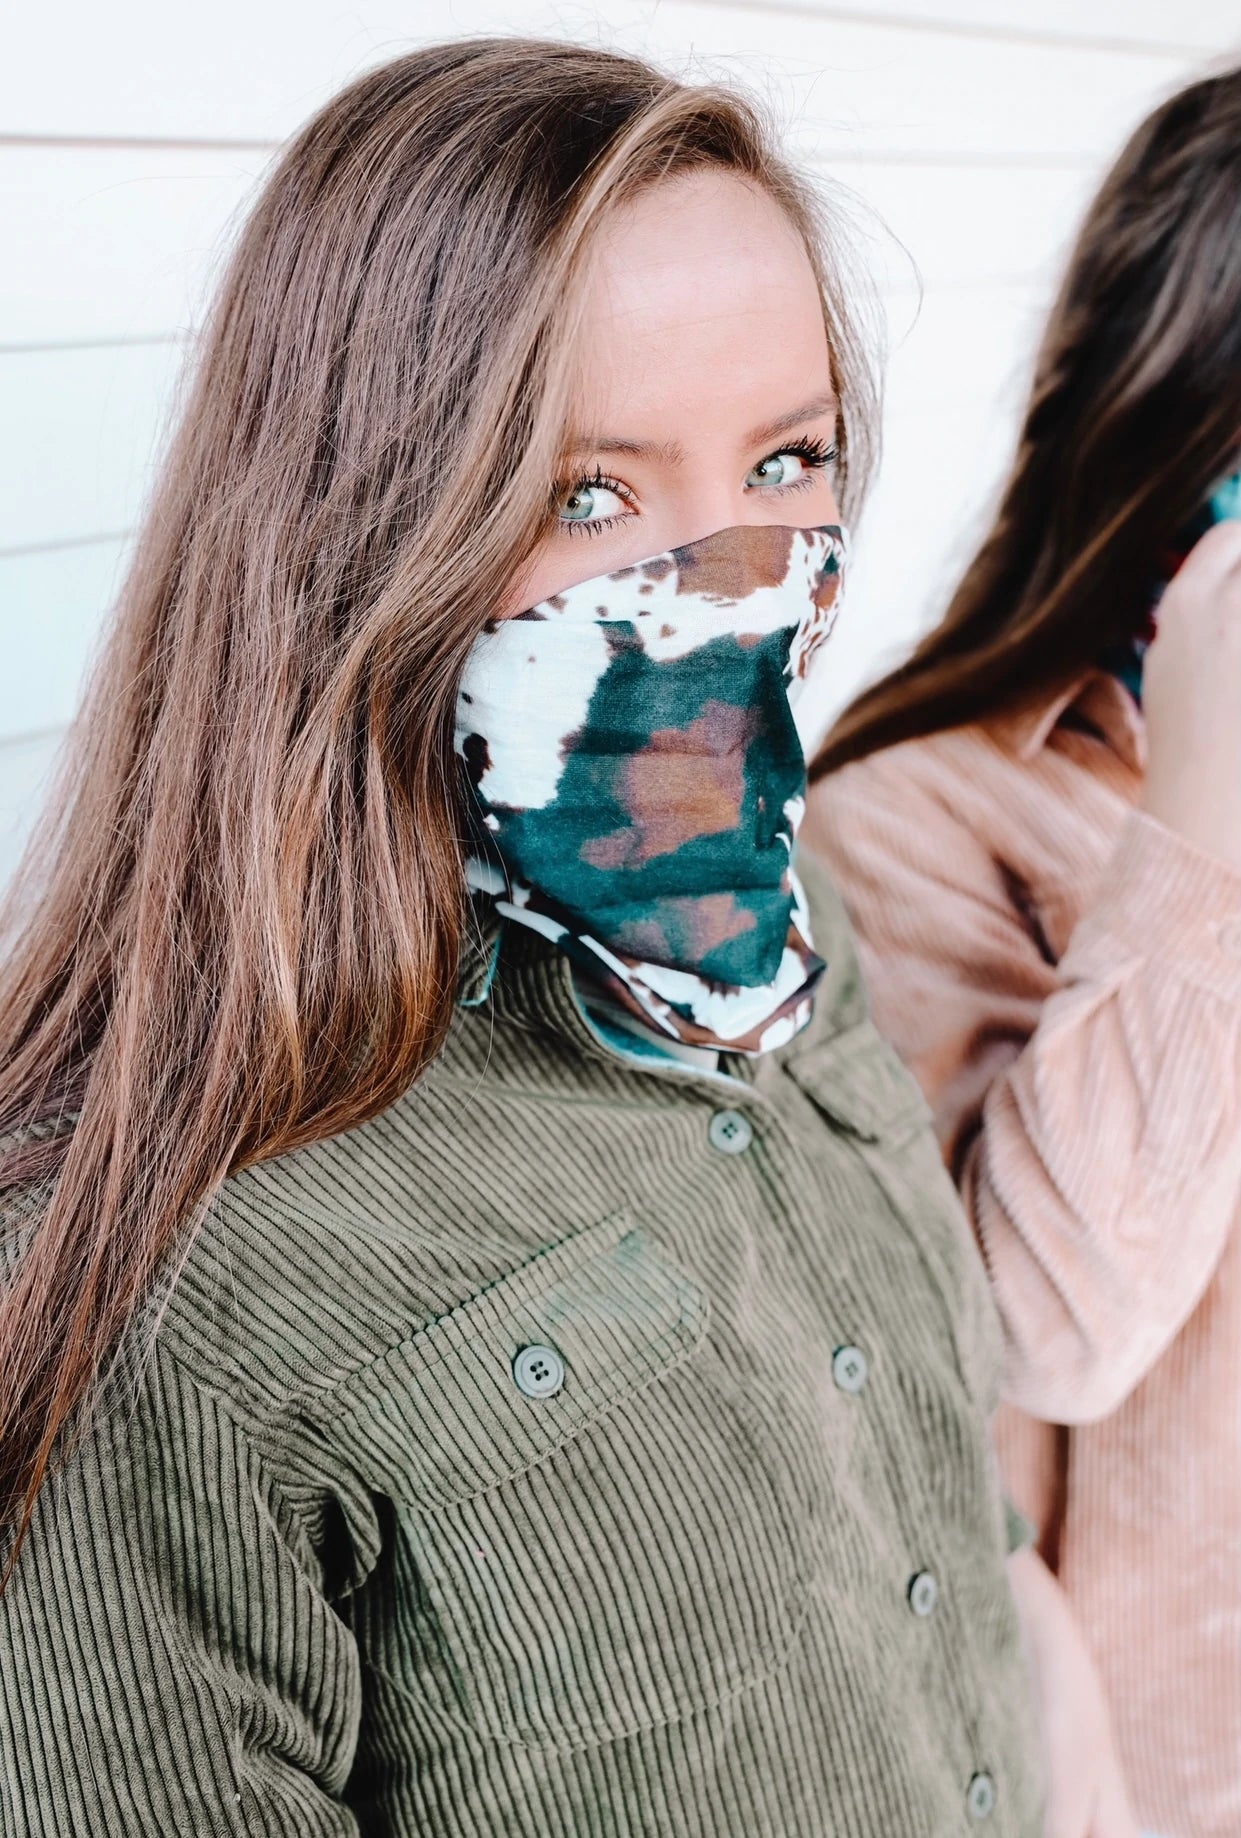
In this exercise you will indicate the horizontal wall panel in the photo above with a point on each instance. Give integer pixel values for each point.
(1134, 25)
(54, 606)
(80, 429)
(956, 345)
(124, 243)
(972, 228)
(848, 87)
(926, 515)
(116, 242)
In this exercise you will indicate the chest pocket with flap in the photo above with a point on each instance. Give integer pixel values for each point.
(597, 1561)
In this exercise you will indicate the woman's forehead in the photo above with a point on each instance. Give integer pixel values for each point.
(703, 300)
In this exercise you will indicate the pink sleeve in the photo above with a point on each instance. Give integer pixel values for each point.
(1090, 1111)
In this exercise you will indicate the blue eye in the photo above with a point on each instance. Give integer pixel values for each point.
(592, 504)
(792, 465)
(589, 502)
(779, 469)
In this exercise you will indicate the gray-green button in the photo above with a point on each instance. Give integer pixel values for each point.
(980, 1797)
(539, 1371)
(730, 1132)
(923, 1595)
(850, 1369)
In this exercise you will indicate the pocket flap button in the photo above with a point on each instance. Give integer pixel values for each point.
(538, 1371)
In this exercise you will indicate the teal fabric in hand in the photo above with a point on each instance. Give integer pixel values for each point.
(1126, 660)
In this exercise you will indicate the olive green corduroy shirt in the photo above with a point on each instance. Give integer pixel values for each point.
(722, 1557)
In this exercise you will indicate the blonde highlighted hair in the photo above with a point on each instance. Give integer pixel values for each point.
(240, 929)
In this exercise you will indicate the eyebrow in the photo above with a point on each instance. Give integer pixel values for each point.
(671, 451)
(785, 424)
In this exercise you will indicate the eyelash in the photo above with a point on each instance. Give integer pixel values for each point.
(813, 452)
(816, 453)
(598, 480)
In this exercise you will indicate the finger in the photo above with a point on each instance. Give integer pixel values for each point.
(1208, 582)
(1214, 555)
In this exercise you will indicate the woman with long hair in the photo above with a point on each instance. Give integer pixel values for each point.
(488, 1344)
(1036, 823)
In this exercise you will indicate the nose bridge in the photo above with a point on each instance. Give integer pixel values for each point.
(706, 507)
(708, 499)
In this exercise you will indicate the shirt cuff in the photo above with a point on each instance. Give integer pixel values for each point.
(1161, 896)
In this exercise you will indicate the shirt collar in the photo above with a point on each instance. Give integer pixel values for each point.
(522, 978)
(1098, 696)
(480, 954)
(515, 975)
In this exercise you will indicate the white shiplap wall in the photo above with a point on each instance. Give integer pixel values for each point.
(132, 135)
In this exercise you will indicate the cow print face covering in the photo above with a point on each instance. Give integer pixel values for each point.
(636, 779)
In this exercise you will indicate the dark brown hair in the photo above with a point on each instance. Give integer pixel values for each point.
(240, 931)
(1135, 412)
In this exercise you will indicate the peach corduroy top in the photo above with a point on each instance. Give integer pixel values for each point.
(1063, 975)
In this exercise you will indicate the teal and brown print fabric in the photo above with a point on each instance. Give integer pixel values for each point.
(637, 778)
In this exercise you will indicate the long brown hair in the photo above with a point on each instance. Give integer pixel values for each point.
(241, 930)
(1135, 411)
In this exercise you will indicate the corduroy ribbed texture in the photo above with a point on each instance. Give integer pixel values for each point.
(1063, 974)
(330, 1571)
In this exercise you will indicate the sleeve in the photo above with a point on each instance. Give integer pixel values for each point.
(169, 1659)
(1090, 1111)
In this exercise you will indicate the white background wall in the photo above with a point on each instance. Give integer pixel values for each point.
(132, 134)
